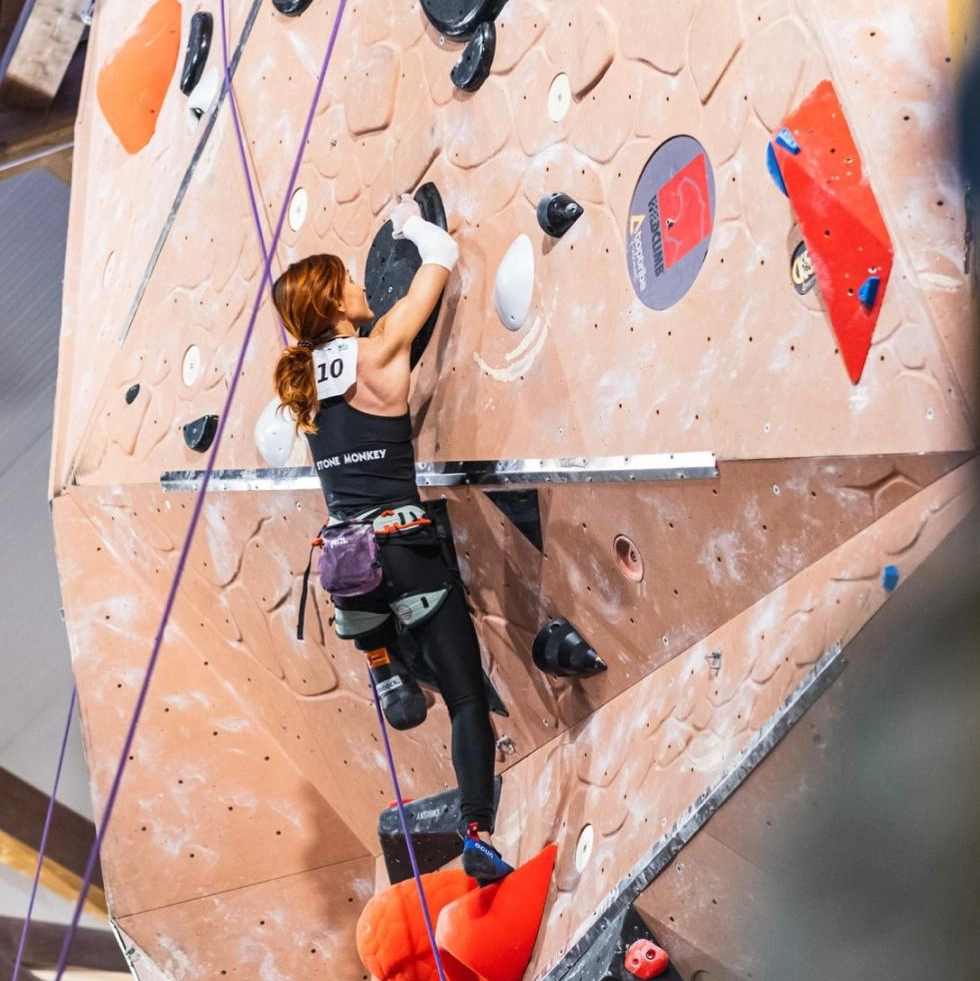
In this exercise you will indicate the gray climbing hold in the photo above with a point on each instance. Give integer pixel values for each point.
(557, 213)
(392, 264)
(131, 393)
(196, 54)
(460, 18)
(291, 8)
(473, 67)
(559, 649)
(199, 434)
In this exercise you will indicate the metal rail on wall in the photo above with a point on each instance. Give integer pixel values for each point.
(552, 470)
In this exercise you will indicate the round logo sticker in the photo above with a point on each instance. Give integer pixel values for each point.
(670, 221)
(801, 270)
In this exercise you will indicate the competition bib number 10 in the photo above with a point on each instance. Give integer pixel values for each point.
(336, 367)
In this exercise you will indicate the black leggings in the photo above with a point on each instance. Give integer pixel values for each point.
(450, 652)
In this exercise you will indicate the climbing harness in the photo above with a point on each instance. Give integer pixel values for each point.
(350, 565)
(195, 517)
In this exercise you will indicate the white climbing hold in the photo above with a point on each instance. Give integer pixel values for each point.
(202, 97)
(559, 98)
(190, 367)
(298, 207)
(583, 847)
(514, 286)
(275, 434)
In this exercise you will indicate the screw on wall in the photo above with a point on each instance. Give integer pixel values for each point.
(506, 745)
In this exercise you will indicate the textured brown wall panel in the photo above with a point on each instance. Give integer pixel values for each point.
(258, 754)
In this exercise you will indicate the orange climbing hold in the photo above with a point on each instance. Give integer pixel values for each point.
(845, 234)
(392, 941)
(488, 934)
(134, 81)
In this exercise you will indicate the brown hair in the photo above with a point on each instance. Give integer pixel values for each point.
(306, 297)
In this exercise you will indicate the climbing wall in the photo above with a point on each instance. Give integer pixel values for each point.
(696, 291)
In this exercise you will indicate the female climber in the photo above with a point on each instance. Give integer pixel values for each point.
(394, 592)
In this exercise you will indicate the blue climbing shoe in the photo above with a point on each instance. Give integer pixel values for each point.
(482, 861)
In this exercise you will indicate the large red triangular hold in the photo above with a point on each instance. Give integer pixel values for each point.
(842, 225)
(489, 934)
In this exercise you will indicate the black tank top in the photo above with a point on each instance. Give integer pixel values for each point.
(362, 460)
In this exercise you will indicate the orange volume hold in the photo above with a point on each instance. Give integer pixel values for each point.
(392, 941)
(134, 81)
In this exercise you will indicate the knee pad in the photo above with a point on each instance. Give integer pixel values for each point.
(356, 625)
(402, 701)
(415, 608)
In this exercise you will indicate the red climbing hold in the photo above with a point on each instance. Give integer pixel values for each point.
(488, 934)
(392, 941)
(645, 959)
(842, 225)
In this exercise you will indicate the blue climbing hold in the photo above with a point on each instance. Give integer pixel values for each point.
(773, 164)
(889, 577)
(787, 141)
(868, 292)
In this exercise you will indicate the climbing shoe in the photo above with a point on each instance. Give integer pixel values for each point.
(482, 861)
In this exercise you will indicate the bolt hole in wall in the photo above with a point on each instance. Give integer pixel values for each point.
(628, 558)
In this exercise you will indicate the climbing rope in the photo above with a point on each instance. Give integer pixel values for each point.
(196, 512)
(44, 835)
(267, 280)
(404, 823)
(243, 155)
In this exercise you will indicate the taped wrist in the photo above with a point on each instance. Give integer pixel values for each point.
(435, 246)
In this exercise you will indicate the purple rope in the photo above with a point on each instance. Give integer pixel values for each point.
(44, 835)
(408, 838)
(7, 55)
(236, 119)
(196, 513)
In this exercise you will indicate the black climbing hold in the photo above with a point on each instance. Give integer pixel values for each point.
(291, 8)
(131, 393)
(523, 510)
(196, 53)
(460, 18)
(434, 824)
(391, 264)
(199, 433)
(557, 213)
(473, 66)
(559, 649)
(606, 946)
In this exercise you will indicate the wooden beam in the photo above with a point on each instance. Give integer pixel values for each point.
(22, 815)
(93, 950)
(53, 147)
(43, 138)
(42, 55)
(9, 12)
